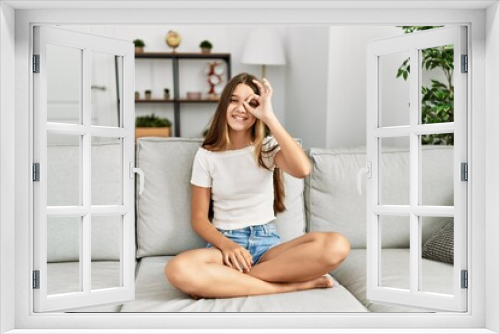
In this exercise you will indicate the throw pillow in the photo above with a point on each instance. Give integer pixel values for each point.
(439, 246)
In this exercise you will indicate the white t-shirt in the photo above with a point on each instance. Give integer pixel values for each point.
(242, 190)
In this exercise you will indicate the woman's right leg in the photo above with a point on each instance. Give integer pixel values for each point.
(201, 272)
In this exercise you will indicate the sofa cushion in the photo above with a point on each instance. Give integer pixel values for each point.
(436, 276)
(291, 223)
(334, 204)
(164, 208)
(155, 294)
(63, 183)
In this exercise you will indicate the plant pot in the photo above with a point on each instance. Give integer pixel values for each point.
(205, 50)
(139, 49)
(152, 132)
(147, 96)
(137, 96)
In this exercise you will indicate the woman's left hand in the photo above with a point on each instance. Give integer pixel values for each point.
(260, 106)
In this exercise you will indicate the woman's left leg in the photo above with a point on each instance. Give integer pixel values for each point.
(304, 258)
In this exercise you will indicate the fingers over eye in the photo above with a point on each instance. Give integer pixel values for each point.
(267, 85)
(253, 103)
(259, 84)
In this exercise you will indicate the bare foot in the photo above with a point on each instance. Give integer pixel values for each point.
(320, 282)
(324, 281)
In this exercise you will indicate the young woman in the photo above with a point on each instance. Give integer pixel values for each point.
(237, 170)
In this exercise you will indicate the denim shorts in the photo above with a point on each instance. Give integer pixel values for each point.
(256, 239)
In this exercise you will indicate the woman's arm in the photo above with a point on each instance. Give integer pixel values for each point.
(235, 256)
(291, 158)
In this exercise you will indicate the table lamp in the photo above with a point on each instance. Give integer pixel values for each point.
(263, 47)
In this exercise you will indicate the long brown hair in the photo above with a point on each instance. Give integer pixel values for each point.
(217, 138)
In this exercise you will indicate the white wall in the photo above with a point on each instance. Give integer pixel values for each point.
(306, 83)
(320, 94)
(157, 74)
(346, 107)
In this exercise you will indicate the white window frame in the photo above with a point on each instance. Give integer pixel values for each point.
(413, 44)
(484, 102)
(86, 297)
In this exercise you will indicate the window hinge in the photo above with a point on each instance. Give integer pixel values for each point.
(36, 279)
(465, 279)
(465, 64)
(465, 171)
(36, 172)
(36, 63)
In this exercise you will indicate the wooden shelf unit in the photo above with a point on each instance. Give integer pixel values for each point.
(177, 101)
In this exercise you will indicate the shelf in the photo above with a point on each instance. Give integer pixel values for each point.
(177, 101)
(154, 101)
(182, 55)
(180, 100)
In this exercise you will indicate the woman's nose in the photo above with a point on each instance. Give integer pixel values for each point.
(241, 108)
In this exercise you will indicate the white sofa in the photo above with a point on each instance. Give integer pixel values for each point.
(327, 200)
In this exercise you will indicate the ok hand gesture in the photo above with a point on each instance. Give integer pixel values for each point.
(260, 106)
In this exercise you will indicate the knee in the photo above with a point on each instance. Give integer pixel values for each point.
(336, 247)
(177, 272)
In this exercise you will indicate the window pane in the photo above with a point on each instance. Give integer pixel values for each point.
(395, 252)
(437, 254)
(64, 76)
(437, 173)
(63, 170)
(106, 251)
(106, 89)
(107, 183)
(394, 89)
(63, 255)
(437, 84)
(394, 171)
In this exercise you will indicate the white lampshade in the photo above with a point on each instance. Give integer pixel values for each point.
(263, 47)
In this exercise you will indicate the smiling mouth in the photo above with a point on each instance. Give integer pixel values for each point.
(239, 118)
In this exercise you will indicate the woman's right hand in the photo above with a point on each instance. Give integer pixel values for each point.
(237, 257)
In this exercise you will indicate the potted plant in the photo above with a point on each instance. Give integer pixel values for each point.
(166, 93)
(152, 126)
(147, 94)
(137, 95)
(205, 46)
(437, 100)
(139, 45)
